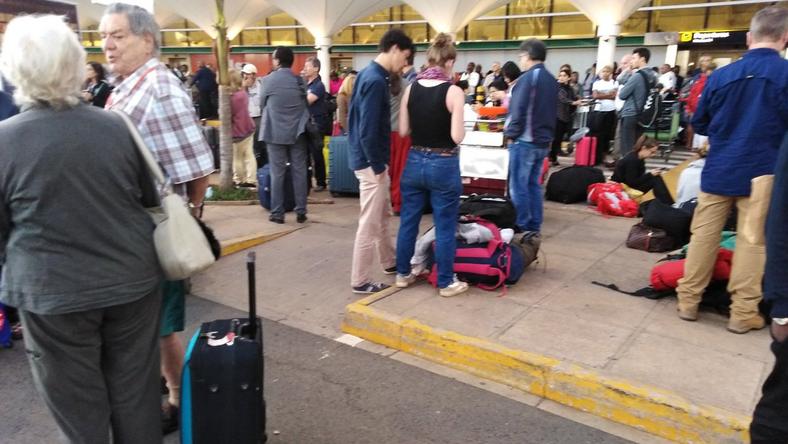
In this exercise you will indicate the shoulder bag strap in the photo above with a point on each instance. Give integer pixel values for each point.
(142, 148)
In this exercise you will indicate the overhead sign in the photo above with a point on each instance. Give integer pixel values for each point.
(661, 38)
(713, 38)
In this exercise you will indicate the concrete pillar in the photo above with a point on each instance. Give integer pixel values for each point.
(606, 52)
(671, 54)
(323, 46)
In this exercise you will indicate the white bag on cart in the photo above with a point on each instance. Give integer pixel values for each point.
(483, 155)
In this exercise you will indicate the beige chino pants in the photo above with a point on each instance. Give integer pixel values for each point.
(373, 226)
(748, 259)
(244, 163)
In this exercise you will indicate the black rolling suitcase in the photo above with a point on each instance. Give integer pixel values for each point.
(222, 382)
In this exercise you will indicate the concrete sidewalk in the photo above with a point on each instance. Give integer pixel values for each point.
(553, 335)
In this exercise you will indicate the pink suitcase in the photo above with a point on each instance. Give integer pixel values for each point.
(585, 151)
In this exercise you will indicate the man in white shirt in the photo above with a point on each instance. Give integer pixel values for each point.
(472, 77)
(603, 119)
(667, 78)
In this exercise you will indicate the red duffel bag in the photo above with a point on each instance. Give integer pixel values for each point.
(666, 275)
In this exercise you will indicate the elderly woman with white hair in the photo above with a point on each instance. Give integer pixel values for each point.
(80, 262)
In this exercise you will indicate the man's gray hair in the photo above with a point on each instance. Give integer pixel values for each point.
(769, 24)
(141, 22)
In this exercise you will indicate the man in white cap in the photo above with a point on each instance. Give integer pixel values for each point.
(252, 85)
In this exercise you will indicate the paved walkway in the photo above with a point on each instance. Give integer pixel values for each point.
(554, 312)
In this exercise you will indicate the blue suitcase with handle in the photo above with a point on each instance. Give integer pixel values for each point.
(341, 179)
(222, 381)
(264, 188)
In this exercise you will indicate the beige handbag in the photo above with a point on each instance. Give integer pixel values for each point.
(181, 245)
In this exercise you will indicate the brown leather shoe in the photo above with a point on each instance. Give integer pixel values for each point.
(741, 326)
(688, 313)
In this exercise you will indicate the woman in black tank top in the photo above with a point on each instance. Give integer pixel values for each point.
(432, 113)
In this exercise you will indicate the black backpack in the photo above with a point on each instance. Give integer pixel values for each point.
(570, 185)
(331, 104)
(496, 209)
(648, 115)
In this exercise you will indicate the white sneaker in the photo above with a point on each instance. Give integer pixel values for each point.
(454, 289)
(418, 269)
(403, 281)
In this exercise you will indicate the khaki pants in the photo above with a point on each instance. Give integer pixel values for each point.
(748, 259)
(244, 163)
(373, 226)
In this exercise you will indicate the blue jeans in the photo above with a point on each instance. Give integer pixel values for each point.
(525, 166)
(436, 179)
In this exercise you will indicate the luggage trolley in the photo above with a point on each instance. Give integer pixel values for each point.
(484, 159)
(665, 127)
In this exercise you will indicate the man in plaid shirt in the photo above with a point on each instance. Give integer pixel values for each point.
(157, 102)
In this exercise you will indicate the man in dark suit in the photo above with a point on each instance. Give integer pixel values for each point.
(282, 127)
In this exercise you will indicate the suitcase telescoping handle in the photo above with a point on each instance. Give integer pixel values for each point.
(250, 268)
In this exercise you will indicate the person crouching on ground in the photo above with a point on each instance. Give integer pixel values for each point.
(432, 113)
(529, 132)
(369, 136)
(80, 263)
(631, 171)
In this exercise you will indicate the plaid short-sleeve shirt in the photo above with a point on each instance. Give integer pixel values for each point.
(163, 111)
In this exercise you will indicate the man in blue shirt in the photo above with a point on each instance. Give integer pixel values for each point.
(529, 132)
(369, 134)
(205, 79)
(320, 121)
(744, 111)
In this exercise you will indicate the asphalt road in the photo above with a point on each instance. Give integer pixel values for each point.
(321, 391)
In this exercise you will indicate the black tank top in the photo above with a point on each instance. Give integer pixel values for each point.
(430, 120)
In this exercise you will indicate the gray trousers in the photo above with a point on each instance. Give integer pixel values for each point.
(98, 370)
(278, 157)
(629, 132)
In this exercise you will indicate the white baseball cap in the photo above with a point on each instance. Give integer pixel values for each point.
(249, 69)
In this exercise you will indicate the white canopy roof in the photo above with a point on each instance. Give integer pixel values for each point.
(605, 13)
(452, 15)
(238, 13)
(324, 18)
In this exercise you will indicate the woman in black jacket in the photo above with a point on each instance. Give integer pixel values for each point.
(631, 171)
(567, 101)
(96, 89)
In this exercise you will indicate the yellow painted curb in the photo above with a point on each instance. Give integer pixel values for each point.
(242, 243)
(646, 408)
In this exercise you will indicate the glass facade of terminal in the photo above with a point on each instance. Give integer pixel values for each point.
(502, 24)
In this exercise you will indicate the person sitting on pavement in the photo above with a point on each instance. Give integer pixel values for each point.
(689, 180)
(631, 169)
(244, 163)
(432, 113)
(369, 128)
(80, 262)
(529, 131)
(742, 111)
(283, 104)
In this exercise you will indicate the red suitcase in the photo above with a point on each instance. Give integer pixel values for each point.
(585, 151)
